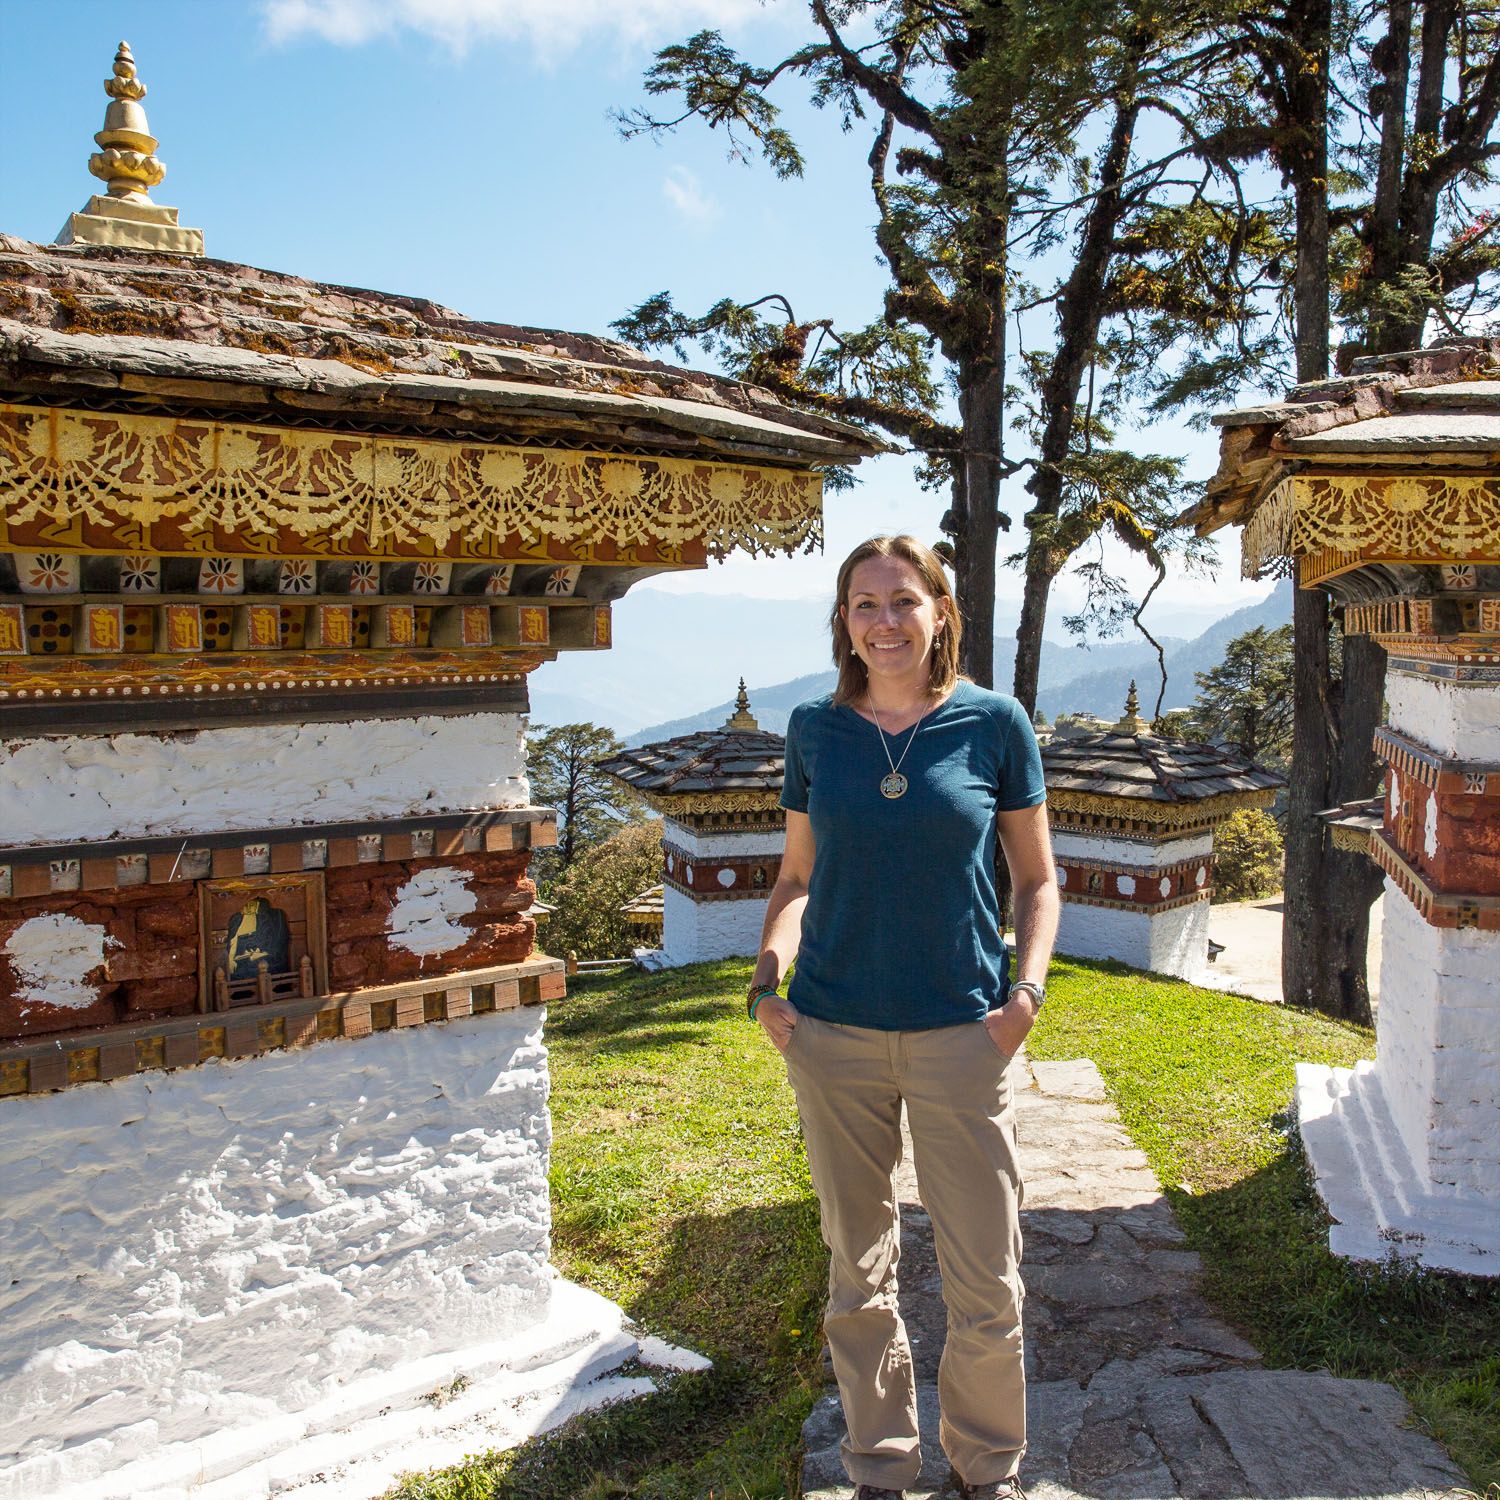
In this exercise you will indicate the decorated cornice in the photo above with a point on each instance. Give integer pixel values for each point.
(701, 805)
(1411, 516)
(119, 482)
(42, 1065)
(1095, 812)
(1437, 908)
(1414, 762)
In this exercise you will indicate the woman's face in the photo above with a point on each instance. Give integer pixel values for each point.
(892, 621)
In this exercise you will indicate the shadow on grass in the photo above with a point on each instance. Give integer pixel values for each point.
(680, 1005)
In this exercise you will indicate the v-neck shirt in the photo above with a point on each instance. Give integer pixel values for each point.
(902, 925)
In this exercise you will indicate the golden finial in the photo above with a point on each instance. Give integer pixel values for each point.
(127, 163)
(742, 718)
(1132, 723)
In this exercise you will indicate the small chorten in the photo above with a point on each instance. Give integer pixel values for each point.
(1132, 723)
(723, 835)
(742, 718)
(127, 163)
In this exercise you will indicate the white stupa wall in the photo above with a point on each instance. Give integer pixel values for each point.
(193, 1259)
(696, 930)
(1174, 941)
(67, 788)
(1169, 941)
(1406, 1150)
(1438, 1046)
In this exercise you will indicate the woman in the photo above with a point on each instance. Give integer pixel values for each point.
(896, 787)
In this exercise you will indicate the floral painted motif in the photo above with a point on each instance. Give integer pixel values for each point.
(364, 578)
(431, 578)
(297, 576)
(48, 573)
(221, 575)
(499, 581)
(140, 574)
(562, 581)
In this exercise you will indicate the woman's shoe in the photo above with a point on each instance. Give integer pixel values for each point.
(999, 1489)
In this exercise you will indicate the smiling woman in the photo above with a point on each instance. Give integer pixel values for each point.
(897, 786)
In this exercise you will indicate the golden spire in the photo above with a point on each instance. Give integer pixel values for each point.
(1132, 723)
(741, 718)
(127, 162)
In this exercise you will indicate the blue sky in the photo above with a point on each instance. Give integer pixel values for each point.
(462, 150)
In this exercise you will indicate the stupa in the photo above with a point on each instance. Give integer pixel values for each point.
(1133, 818)
(718, 792)
(276, 561)
(1384, 489)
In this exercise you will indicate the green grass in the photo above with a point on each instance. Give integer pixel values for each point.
(680, 1191)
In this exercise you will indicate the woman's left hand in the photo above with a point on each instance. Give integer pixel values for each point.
(1009, 1025)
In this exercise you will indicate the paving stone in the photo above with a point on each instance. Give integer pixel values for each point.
(1296, 1434)
(1057, 1224)
(1078, 1079)
(1137, 1391)
(1100, 1283)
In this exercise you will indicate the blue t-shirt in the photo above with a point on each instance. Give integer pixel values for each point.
(902, 925)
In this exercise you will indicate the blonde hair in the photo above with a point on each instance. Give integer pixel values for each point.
(929, 567)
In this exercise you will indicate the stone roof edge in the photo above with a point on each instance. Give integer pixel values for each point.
(1253, 458)
(154, 366)
(507, 349)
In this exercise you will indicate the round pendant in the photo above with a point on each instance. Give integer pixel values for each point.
(893, 786)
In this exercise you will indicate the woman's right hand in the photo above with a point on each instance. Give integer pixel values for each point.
(778, 1019)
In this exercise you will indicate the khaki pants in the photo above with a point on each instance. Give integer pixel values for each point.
(850, 1082)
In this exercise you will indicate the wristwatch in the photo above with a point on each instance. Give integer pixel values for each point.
(1038, 992)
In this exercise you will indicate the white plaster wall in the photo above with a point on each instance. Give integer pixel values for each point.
(693, 931)
(1171, 942)
(1438, 1046)
(722, 845)
(1126, 852)
(190, 1256)
(1457, 720)
(67, 788)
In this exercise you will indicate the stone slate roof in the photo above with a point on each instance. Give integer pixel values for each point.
(1441, 400)
(1142, 768)
(712, 760)
(127, 327)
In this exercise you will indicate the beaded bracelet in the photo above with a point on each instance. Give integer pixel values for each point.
(765, 992)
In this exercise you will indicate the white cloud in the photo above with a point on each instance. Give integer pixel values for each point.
(684, 192)
(552, 27)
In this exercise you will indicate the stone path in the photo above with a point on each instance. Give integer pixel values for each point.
(1137, 1390)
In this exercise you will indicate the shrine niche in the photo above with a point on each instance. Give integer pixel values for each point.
(1381, 489)
(277, 559)
(262, 940)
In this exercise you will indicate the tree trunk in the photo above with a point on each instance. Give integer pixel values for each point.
(1306, 937)
(1029, 633)
(982, 405)
(1328, 891)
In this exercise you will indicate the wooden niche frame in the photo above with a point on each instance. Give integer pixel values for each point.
(295, 907)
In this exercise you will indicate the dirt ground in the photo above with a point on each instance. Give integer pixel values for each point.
(1251, 961)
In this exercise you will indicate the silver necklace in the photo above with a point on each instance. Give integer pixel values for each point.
(895, 784)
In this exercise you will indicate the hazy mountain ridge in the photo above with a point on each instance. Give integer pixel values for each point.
(1103, 692)
(1074, 678)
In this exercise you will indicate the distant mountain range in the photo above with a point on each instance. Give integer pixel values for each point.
(1074, 679)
